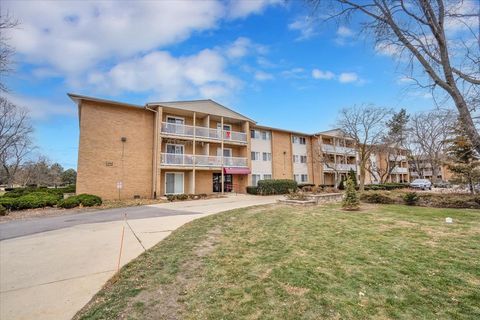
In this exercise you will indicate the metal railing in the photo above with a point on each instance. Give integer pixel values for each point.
(201, 160)
(202, 132)
(339, 167)
(338, 149)
(399, 170)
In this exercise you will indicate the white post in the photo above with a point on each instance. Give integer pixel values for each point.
(194, 150)
(221, 132)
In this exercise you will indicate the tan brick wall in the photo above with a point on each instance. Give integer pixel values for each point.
(101, 128)
(282, 166)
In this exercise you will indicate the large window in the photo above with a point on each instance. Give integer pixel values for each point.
(299, 140)
(267, 156)
(255, 179)
(304, 178)
(303, 159)
(260, 134)
(296, 177)
(267, 177)
(255, 155)
(266, 135)
(296, 158)
(176, 120)
(174, 183)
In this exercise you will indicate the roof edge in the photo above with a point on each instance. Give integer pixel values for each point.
(77, 98)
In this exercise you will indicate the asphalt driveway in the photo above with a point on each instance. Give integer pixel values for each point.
(51, 267)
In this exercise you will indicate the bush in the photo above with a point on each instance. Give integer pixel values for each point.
(376, 197)
(341, 185)
(297, 195)
(69, 203)
(180, 197)
(410, 198)
(36, 200)
(18, 192)
(385, 186)
(3, 211)
(88, 200)
(350, 200)
(8, 203)
(276, 186)
(252, 190)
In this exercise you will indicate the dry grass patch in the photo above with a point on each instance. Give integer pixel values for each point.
(305, 263)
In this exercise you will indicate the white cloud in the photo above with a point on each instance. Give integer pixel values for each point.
(262, 76)
(41, 108)
(306, 26)
(461, 17)
(343, 31)
(324, 75)
(296, 73)
(348, 77)
(199, 75)
(71, 37)
(344, 35)
(388, 49)
(241, 9)
(244, 46)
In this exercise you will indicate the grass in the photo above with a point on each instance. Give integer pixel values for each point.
(384, 262)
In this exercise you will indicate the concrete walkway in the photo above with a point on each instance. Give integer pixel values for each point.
(53, 274)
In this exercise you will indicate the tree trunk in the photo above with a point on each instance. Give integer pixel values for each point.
(467, 121)
(361, 186)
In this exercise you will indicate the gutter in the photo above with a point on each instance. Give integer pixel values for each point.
(155, 152)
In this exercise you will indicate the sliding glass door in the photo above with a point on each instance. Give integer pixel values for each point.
(174, 183)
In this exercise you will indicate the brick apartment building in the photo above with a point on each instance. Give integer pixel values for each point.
(198, 146)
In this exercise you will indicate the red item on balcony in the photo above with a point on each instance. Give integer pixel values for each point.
(228, 134)
(236, 170)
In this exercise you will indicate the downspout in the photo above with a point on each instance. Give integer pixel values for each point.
(155, 149)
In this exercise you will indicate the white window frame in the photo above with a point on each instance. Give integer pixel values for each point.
(300, 139)
(175, 144)
(183, 181)
(296, 158)
(255, 183)
(304, 176)
(231, 152)
(176, 118)
(256, 158)
(303, 157)
(219, 125)
(294, 139)
(296, 177)
(268, 156)
(265, 176)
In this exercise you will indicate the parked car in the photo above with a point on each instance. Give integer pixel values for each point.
(442, 184)
(423, 184)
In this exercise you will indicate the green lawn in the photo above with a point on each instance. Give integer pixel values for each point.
(385, 262)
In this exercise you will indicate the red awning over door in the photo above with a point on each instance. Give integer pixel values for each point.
(236, 170)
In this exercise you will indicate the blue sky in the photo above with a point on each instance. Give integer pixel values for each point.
(267, 59)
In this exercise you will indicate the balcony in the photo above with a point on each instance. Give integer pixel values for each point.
(339, 167)
(181, 130)
(330, 148)
(187, 160)
(397, 157)
(399, 170)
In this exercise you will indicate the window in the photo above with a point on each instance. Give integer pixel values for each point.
(175, 148)
(255, 155)
(266, 135)
(267, 156)
(267, 177)
(296, 177)
(176, 120)
(255, 179)
(303, 159)
(226, 127)
(304, 177)
(252, 134)
(299, 140)
(227, 152)
(173, 182)
(296, 158)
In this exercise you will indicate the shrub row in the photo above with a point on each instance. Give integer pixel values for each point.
(30, 201)
(386, 186)
(86, 200)
(19, 192)
(279, 186)
(252, 190)
(183, 197)
(461, 201)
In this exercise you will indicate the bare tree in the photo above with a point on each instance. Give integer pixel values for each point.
(388, 155)
(15, 137)
(417, 30)
(366, 126)
(429, 133)
(6, 50)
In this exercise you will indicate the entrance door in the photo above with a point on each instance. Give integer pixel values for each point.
(173, 182)
(227, 182)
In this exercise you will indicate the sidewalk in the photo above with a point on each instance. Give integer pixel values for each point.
(51, 275)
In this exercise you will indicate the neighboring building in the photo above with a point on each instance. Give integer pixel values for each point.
(336, 154)
(421, 168)
(388, 165)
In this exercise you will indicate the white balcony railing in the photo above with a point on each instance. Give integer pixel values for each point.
(397, 157)
(330, 148)
(187, 160)
(202, 132)
(339, 167)
(399, 170)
